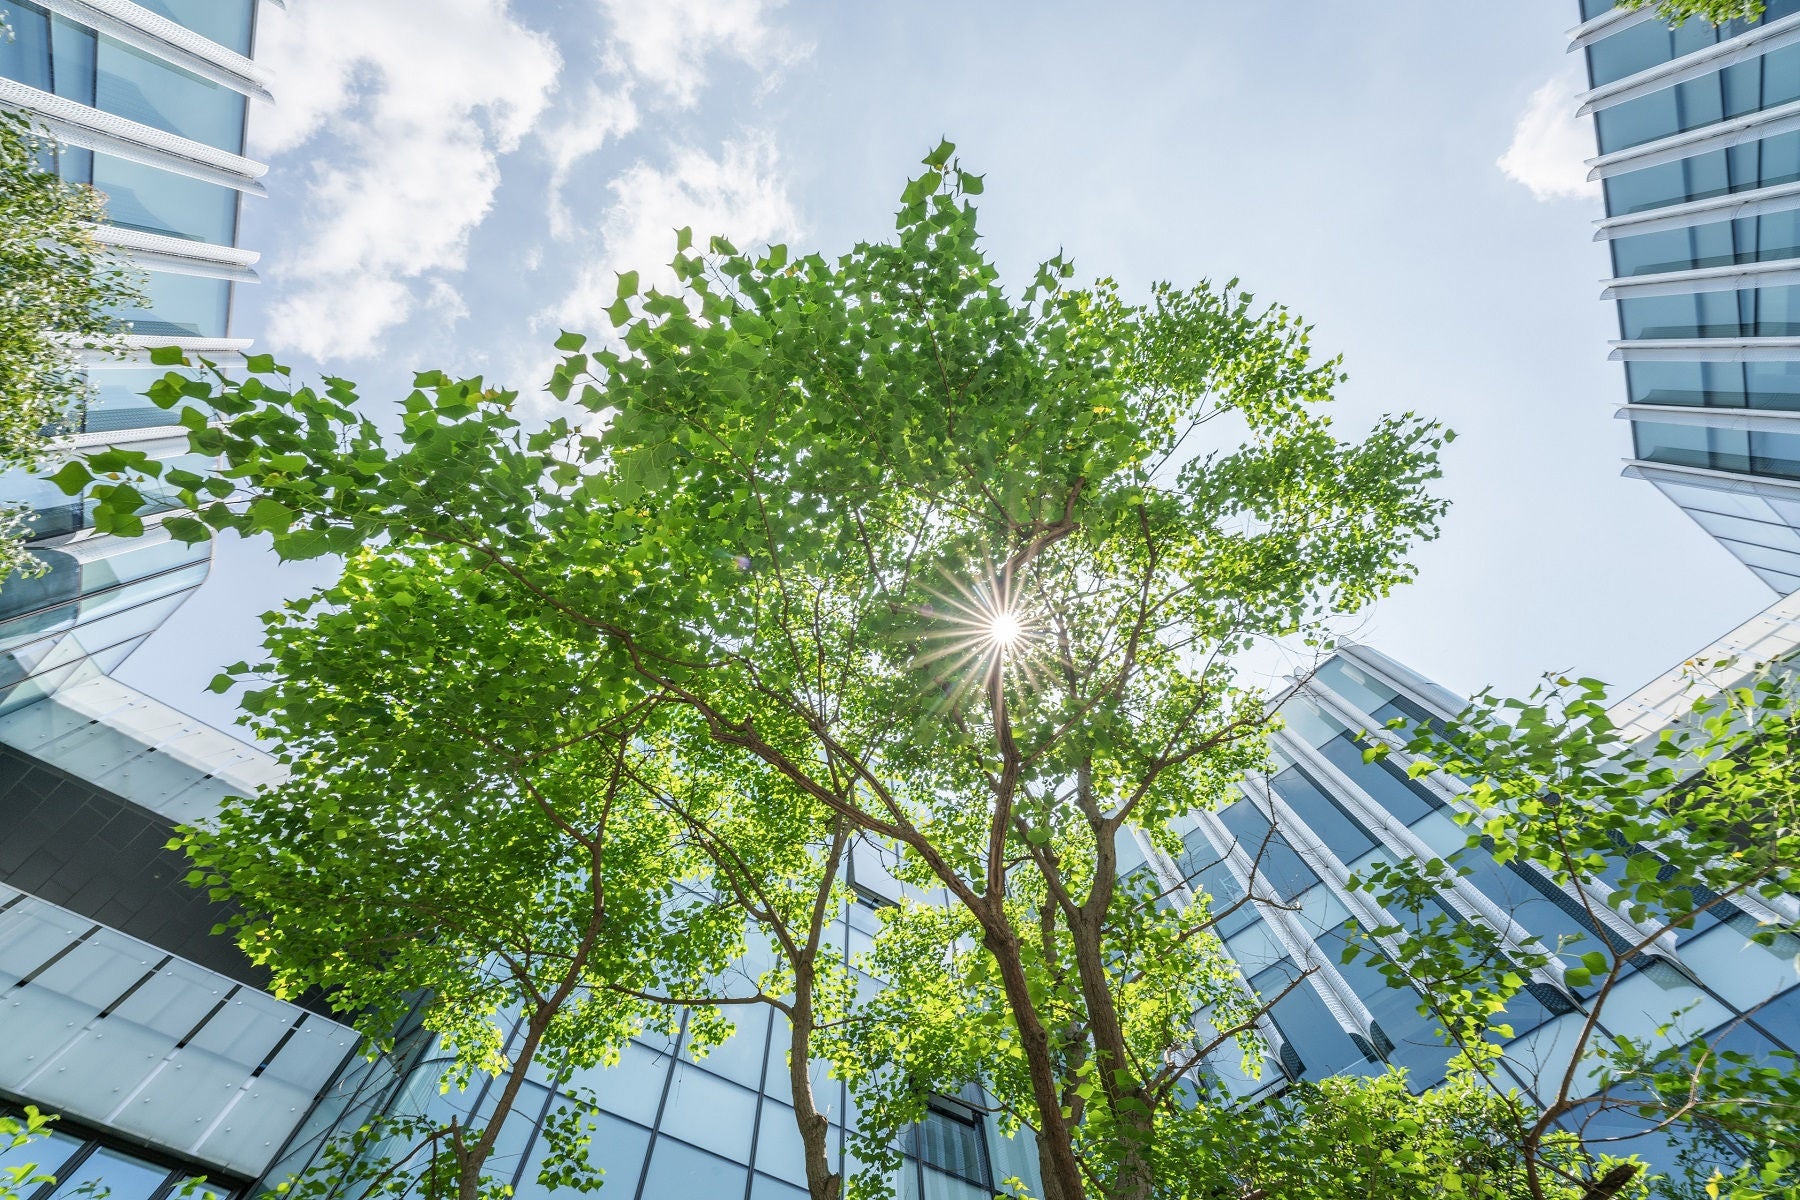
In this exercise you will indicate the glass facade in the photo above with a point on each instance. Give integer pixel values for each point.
(1325, 815)
(80, 1165)
(123, 1013)
(1754, 365)
(79, 612)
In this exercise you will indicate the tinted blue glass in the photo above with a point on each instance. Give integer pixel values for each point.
(1527, 899)
(141, 197)
(1280, 869)
(1700, 315)
(143, 88)
(1776, 454)
(1637, 48)
(1208, 874)
(1781, 1017)
(26, 56)
(1308, 1026)
(227, 22)
(680, 1172)
(1642, 120)
(952, 1145)
(118, 401)
(1396, 1009)
(71, 60)
(122, 1176)
(181, 306)
(1331, 824)
(1766, 163)
(1383, 782)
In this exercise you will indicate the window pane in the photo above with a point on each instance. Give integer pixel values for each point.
(679, 1172)
(141, 197)
(226, 22)
(122, 1176)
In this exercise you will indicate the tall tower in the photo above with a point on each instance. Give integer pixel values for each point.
(148, 104)
(151, 1038)
(1698, 132)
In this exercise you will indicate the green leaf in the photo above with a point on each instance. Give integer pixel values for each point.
(73, 477)
(570, 342)
(167, 356)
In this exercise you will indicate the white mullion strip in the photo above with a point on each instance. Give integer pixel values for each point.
(1178, 890)
(1438, 700)
(1767, 420)
(1718, 481)
(1338, 997)
(1326, 865)
(1783, 118)
(1747, 349)
(138, 239)
(1752, 202)
(179, 256)
(144, 30)
(1704, 279)
(1454, 793)
(1400, 841)
(1755, 41)
(1605, 25)
(78, 125)
(1447, 788)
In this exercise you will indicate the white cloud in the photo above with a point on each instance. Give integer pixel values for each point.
(410, 114)
(656, 56)
(598, 117)
(1550, 142)
(739, 193)
(666, 44)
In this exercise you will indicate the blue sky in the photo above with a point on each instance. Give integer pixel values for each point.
(448, 193)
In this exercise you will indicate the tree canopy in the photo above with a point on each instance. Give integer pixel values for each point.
(815, 550)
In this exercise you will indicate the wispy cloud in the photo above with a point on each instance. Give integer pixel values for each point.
(409, 114)
(657, 57)
(739, 193)
(666, 44)
(1550, 141)
(597, 117)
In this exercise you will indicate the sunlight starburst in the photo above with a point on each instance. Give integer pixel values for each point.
(984, 638)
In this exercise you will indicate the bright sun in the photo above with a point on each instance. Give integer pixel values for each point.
(1004, 629)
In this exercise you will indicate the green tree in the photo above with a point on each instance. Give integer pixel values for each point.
(967, 571)
(1654, 843)
(1716, 11)
(58, 284)
(492, 843)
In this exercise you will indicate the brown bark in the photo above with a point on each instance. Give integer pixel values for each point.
(1055, 1146)
(822, 1183)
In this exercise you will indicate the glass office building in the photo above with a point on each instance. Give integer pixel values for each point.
(1697, 130)
(119, 1010)
(1322, 814)
(154, 1040)
(146, 102)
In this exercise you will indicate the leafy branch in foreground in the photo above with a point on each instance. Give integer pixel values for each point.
(1654, 847)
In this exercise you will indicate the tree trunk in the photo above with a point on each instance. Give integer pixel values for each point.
(822, 1183)
(1056, 1150)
